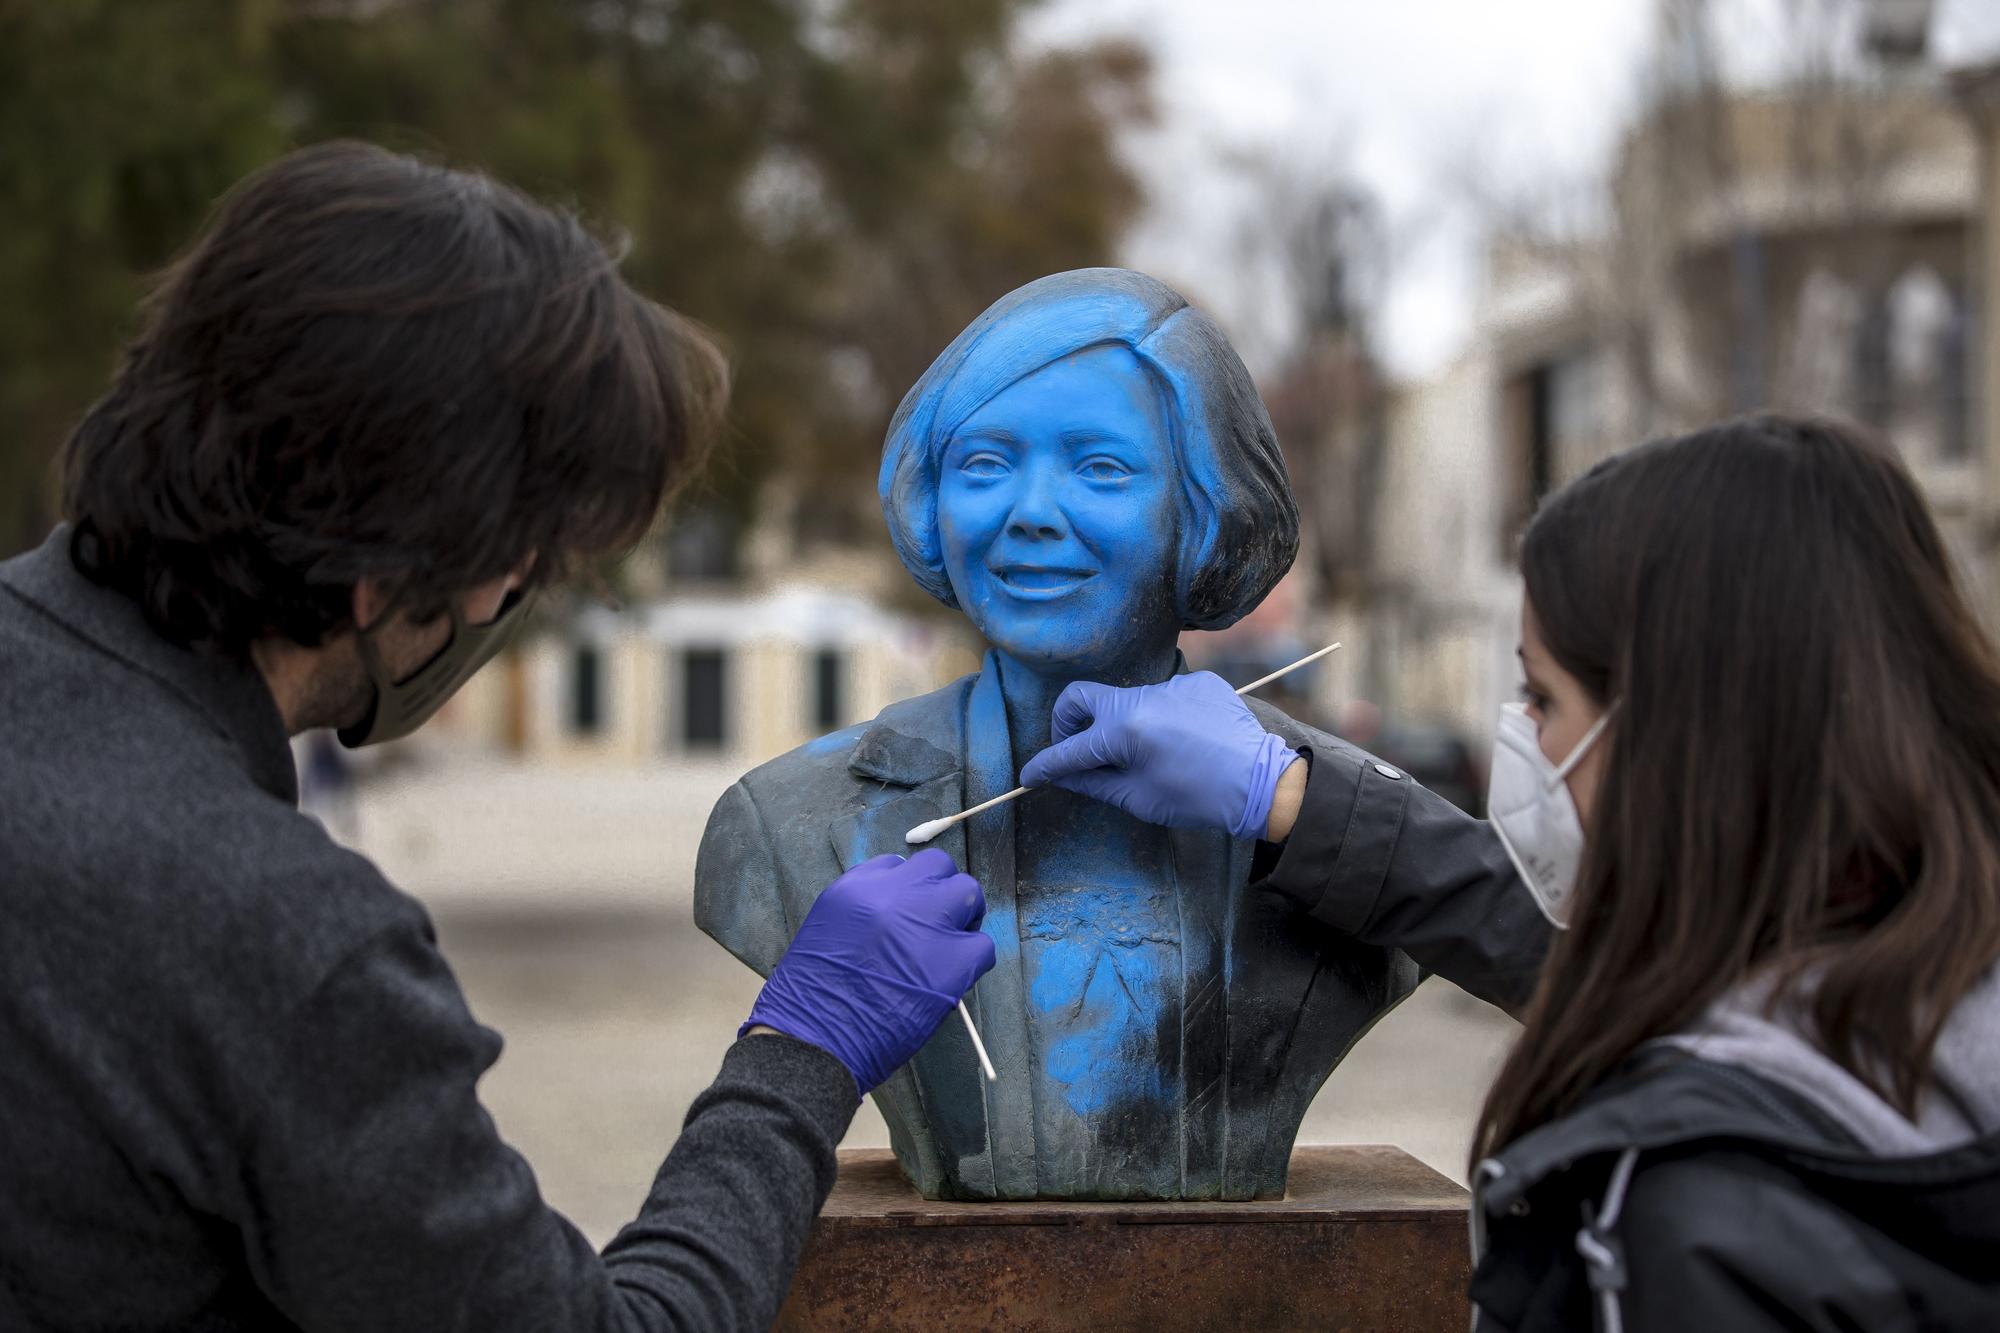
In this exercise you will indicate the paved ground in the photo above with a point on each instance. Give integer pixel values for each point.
(564, 902)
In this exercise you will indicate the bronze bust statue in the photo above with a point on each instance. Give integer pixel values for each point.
(1085, 472)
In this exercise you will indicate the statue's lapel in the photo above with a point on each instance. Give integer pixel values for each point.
(999, 1002)
(881, 828)
(1206, 870)
(1270, 967)
(984, 1131)
(916, 762)
(914, 758)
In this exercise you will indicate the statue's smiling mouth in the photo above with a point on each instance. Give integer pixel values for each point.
(1041, 582)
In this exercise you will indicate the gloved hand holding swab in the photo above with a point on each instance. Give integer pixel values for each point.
(928, 830)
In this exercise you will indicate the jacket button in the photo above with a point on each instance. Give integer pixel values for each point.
(1388, 772)
(1519, 1208)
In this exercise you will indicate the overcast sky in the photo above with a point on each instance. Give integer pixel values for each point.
(1415, 97)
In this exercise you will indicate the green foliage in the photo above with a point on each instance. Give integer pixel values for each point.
(110, 154)
(833, 186)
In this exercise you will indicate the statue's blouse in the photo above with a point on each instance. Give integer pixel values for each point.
(1102, 970)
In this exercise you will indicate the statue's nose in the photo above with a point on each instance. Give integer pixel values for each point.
(1037, 514)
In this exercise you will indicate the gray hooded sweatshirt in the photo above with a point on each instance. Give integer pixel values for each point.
(1961, 1103)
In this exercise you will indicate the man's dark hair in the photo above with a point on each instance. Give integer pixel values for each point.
(373, 367)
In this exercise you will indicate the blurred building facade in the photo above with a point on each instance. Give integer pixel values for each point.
(725, 675)
(1978, 95)
(1824, 242)
(1825, 247)
(724, 651)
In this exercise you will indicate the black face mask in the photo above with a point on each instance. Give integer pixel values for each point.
(401, 706)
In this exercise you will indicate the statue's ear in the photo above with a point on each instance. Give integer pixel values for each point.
(1243, 532)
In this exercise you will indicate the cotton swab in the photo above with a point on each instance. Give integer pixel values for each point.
(924, 832)
(1307, 660)
(985, 1060)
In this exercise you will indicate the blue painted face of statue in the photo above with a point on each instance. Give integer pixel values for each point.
(1059, 512)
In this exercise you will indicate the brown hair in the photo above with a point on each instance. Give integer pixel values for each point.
(373, 367)
(1802, 781)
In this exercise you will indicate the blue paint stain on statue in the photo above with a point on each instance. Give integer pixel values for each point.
(1059, 515)
(1085, 472)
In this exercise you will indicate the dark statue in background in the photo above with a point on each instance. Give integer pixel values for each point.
(1086, 471)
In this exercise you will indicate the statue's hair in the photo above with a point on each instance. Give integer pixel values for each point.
(1242, 528)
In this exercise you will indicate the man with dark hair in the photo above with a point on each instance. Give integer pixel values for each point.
(375, 407)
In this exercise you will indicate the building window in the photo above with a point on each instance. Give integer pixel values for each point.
(1874, 377)
(1927, 363)
(829, 690)
(1576, 425)
(1954, 392)
(701, 547)
(586, 700)
(1541, 425)
(1555, 427)
(1530, 458)
(704, 698)
(1821, 366)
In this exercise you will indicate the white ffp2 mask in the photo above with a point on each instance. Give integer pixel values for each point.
(1528, 802)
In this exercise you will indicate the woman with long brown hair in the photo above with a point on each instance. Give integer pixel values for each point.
(1761, 1070)
(1757, 778)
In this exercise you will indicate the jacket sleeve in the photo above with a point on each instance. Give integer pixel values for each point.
(1377, 856)
(1712, 1242)
(379, 1195)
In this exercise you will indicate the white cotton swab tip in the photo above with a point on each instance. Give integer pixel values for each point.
(924, 832)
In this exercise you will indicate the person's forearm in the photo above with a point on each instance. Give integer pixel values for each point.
(722, 1230)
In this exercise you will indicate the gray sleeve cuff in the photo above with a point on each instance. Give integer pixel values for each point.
(817, 1084)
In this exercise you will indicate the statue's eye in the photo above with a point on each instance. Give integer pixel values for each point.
(983, 465)
(1104, 469)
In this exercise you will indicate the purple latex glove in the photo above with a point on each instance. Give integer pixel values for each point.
(1187, 753)
(885, 953)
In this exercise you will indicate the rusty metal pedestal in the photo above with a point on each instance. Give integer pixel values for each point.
(1368, 1238)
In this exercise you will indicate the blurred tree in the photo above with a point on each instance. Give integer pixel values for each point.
(120, 122)
(1019, 176)
(834, 186)
(1320, 232)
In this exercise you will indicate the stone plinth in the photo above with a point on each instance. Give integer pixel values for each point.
(1368, 1238)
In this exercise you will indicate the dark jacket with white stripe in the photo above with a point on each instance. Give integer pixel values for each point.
(1690, 1194)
